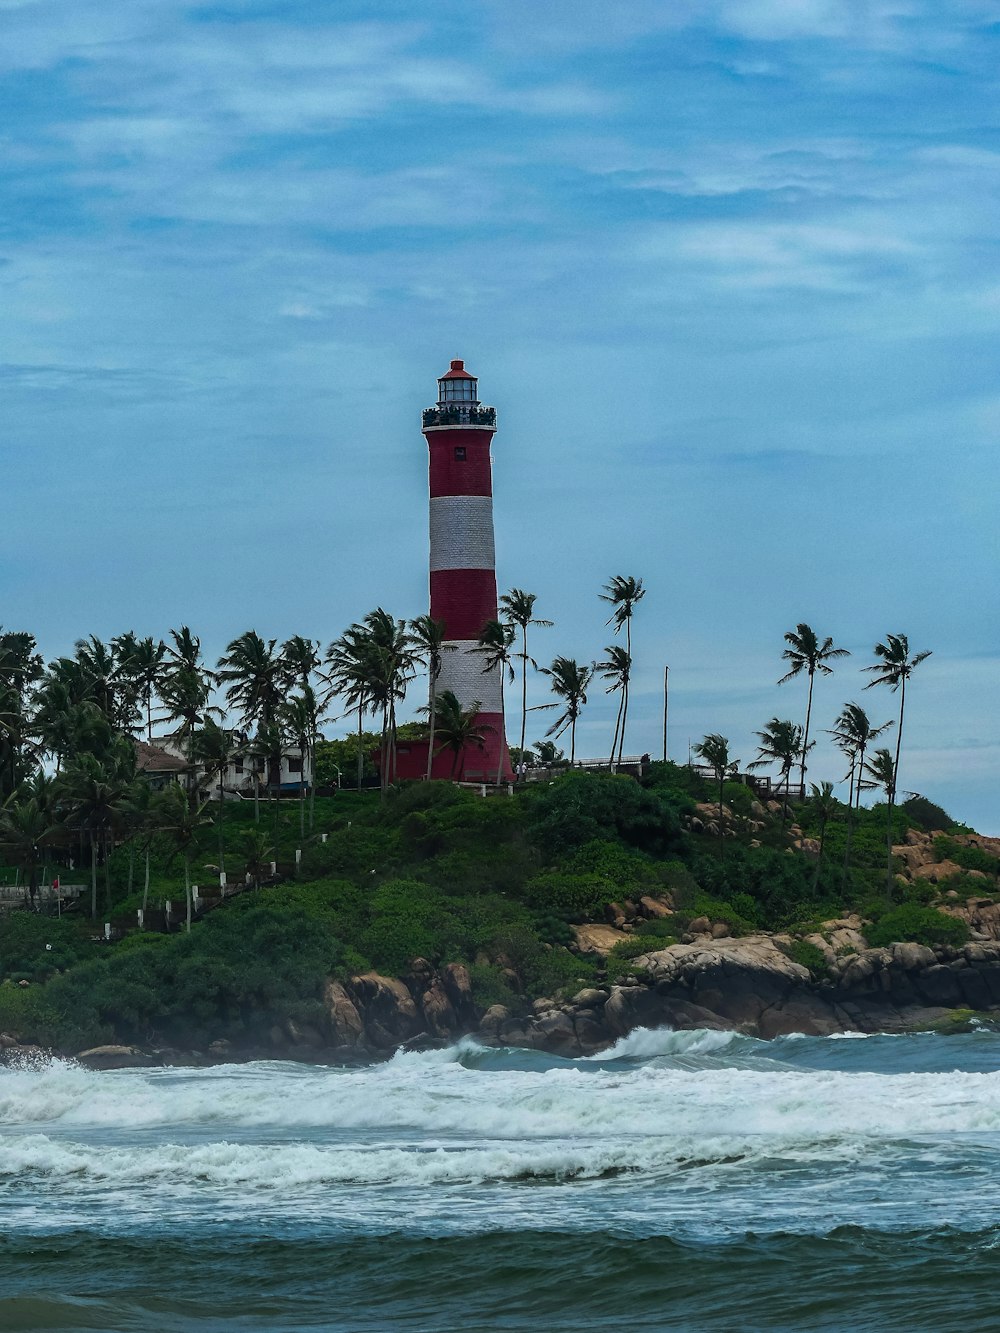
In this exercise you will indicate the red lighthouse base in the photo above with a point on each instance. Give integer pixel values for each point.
(473, 765)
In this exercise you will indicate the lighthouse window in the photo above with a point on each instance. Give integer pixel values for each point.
(460, 453)
(458, 391)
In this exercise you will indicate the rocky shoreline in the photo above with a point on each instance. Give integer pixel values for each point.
(747, 984)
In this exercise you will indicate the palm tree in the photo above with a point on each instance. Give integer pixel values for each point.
(254, 673)
(853, 733)
(184, 694)
(570, 681)
(805, 653)
(95, 802)
(218, 750)
(427, 636)
(25, 828)
(98, 665)
(258, 851)
(182, 823)
(185, 651)
(882, 770)
(623, 594)
(894, 669)
(391, 662)
(299, 719)
(824, 806)
(349, 674)
(714, 749)
(617, 669)
(459, 730)
(142, 821)
(494, 645)
(144, 663)
(781, 743)
(517, 607)
(549, 753)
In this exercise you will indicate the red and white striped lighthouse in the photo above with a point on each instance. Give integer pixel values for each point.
(458, 430)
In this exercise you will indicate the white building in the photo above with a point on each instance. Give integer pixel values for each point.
(166, 760)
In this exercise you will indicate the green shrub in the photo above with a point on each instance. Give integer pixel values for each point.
(490, 986)
(921, 925)
(33, 946)
(573, 897)
(807, 955)
(584, 807)
(969, 858)
(925, 814)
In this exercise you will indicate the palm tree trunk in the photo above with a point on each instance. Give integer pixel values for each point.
(524, 688)
(572, 742)
(805, 736)
(361, 759)
(819, 859)
(93, 877)
(888, 850)
(850, 823)
(220, 821)
(107, 872)
(625, 685)
(433, 716)
(302, 790)
(187, 891)
(618, 722)
(503, 728)
(899, 733)
(312, 782)
(256, 792)
(131, 865)
(145, 887)
(621, 738)
(722, 783)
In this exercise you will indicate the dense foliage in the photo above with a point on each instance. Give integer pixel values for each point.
(434, 871)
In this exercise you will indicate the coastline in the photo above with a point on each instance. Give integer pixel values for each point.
(749, 985)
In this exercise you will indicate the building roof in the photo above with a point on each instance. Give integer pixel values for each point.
(151, 759)
(457, 372)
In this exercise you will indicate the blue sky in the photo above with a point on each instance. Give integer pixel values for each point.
(729, 270)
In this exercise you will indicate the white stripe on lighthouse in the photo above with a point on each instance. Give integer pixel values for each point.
(462, 673)
(462, 532)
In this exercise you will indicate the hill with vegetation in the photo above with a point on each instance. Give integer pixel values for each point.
(506, 888)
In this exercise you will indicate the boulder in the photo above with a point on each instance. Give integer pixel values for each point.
(700, 926)
(655, 906)
(597, 939)
(458, 987)
(494, 1018)
(390, 1015)
(589, 998)
(721, 930)
(345, 1023)
(591, 1033)
(911, 956)
(114, 1057)
(437, 1010)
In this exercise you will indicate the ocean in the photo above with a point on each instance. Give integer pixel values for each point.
(682, 1180)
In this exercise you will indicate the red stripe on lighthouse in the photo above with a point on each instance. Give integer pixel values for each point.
(465, 599)
(460, 462)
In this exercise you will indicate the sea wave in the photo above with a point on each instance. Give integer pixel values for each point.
(470, 1092)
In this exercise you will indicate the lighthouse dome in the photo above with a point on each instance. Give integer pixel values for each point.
(456, 385)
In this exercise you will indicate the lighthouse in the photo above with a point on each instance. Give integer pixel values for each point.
(463, 585)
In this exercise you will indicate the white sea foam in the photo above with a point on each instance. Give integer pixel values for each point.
(298, 1165)
(438, 1095)
(648, 1043)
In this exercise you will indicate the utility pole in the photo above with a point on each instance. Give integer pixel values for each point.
(666, 681)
